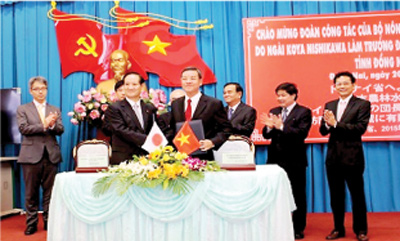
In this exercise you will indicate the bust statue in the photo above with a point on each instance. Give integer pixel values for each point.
(119, 64)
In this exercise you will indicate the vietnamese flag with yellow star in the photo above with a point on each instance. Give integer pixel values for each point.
(185, 140)
(162, 52)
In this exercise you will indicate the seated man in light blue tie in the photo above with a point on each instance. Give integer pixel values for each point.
(131, 120)
(287, 126)
(242, 117)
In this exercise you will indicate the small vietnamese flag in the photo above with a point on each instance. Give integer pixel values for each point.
(154, 139)
(185, 140)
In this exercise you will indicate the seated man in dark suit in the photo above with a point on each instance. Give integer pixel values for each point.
(242, 117)
(287, 126)
(197, 106)
(346, 120)
(131, 120)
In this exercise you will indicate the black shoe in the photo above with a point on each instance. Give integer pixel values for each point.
(362, 237)
(299, 235)
(45, 225)
(30, 230)
(335, 235)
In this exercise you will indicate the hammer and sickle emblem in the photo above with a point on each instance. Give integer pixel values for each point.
(89, 49)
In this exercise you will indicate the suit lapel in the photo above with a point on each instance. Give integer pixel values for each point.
(334, 107)
(200, 107)
(48, 109)
(291, 114)
(180, 109)
(237, 111)
(34, 112)
(130, 113)
(349, 106)
(146, 114)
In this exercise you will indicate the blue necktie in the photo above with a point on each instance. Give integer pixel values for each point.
(284, 115)
(230, 113)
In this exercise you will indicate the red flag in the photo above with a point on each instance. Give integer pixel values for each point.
(185, 140)
(163, 53)
(83, 47)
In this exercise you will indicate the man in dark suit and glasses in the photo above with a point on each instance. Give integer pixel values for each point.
(346, 120)
(39, 123)
(287, 126)
(131, 120)
(197, 106)
(242, 117)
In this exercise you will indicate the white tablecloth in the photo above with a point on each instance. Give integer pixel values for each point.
(226, 206)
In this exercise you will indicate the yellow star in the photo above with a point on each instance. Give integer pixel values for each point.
(183, 139)
(156, 45)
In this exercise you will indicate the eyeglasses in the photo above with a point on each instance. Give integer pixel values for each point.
(39, 89)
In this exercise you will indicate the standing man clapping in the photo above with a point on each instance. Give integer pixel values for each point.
(39, 123)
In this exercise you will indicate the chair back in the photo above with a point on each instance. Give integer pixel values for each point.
(235, 144)
(92, 155)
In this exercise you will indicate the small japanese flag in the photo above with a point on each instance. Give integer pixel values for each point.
(154, 139)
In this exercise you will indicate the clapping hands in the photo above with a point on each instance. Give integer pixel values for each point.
(51, 119)
(271, 120)
(329, 118)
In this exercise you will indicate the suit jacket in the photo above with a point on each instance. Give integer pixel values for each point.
(212, 113)
(345, 145)
(35, 138)
(287, 146)
(243, 119)
(164, 121)
(127, 134)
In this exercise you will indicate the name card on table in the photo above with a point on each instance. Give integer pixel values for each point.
(92, 156)
(237, 158)
(92, 161)
(238, 161)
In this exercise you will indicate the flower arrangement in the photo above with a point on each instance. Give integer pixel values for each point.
(158, 98)
(164, 166)
(92, 104)
(90, 107)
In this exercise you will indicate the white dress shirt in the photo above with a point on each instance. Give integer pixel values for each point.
(195, 101)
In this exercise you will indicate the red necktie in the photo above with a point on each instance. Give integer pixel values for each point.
(188, 112)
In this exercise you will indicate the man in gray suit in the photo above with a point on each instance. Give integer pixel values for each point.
(242, 117)
(39, 123)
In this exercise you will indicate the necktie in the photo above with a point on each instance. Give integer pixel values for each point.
(341, 107)
(188, 112)
(41, 113)
(284, 114)
(138, 114)
(230, 113)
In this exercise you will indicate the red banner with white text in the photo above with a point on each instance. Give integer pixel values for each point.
(309, 50)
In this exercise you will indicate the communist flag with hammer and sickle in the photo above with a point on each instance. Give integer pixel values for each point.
(83, 47)
(185, 140)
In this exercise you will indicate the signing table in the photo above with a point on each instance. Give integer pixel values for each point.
(226, 206)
